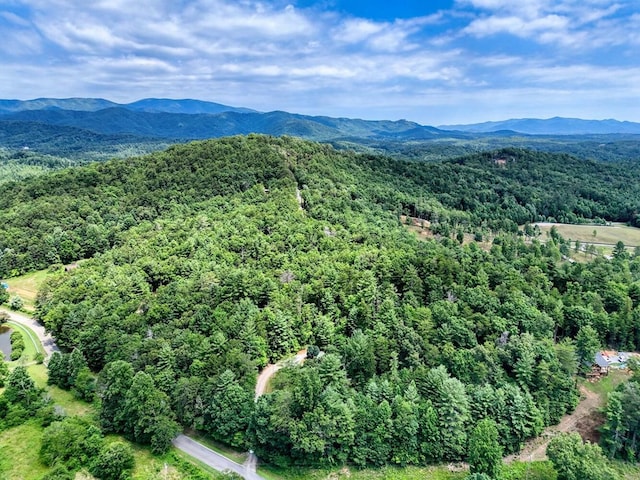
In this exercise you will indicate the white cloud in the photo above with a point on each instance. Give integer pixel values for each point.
(355, 30)
(516, 25)
(20, 43)
(267, 55)
(577, 24)
(15, 19)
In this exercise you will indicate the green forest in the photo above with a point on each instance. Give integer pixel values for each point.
(202, 266)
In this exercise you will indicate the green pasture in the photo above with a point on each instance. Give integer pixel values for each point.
(27, 286)
(605, 235)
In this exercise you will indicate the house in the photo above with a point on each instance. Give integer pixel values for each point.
(607, 359)
(601, 364)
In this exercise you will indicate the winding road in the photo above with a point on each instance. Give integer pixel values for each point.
(271, 369)
(182, 442)
(217, 461)
(47, 341)
(221, 463)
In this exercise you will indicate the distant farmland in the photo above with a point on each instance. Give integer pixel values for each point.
(604, 235)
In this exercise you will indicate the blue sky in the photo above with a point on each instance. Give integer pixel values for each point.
(432, 61)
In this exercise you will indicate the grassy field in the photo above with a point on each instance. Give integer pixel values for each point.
(607, 384)
(387, 473)
(27, 286)
(20, 445)
(606, 235)
(514, 471)
(19, 458)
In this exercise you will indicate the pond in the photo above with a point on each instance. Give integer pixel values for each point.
(5, 341)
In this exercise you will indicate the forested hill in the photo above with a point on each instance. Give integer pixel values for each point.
(80, 212)
(527, 186)
(205, 267)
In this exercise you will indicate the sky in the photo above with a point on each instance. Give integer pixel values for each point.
(435, 62)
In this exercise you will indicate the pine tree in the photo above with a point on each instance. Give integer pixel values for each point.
(484, 451)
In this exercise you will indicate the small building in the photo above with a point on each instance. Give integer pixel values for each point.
(605, 360)
(601, 364)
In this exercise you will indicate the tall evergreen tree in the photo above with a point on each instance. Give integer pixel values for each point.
(484, 452)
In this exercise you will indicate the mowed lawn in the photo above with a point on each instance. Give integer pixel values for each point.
(606, 235)
(27, 286)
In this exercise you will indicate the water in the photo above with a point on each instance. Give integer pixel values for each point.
(5, 341)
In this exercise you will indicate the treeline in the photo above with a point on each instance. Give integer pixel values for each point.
(621, 431)
(413, 343)
(615, 148)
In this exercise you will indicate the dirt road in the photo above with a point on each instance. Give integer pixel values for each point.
(585, 419)
(271, 369)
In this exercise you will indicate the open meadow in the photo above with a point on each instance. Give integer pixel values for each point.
(596, 234)
(27, 286)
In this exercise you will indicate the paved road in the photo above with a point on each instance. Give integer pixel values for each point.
(48, 343)
(182, 442)
(215, 460)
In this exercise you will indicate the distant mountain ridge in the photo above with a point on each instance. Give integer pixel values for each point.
(188, 119)
(181, 126)
(550, 126)
(186, 106)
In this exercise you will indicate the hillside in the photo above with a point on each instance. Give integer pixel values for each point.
(92, 206)
(88, 209)
(203, 266)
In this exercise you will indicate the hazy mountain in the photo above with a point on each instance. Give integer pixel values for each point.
(182, 106)
(551, 126)
(120, 120)
(81, 104)
(94, 104)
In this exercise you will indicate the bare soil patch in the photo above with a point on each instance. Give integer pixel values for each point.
(585, 420)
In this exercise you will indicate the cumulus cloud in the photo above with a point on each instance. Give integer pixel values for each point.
(580, 25)
(269, 55)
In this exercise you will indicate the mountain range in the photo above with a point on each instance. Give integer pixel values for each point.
(551, 126)
(188, 119)
(154, 118)
(187, 106)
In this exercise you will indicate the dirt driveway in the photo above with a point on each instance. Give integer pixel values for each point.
(584, 420)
